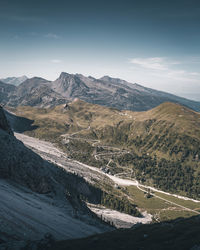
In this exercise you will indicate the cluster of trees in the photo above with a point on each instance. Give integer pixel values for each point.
(75, 190)
(167, 175)
(182, 147)
(178, 172)
(170, 175)
(119, 204)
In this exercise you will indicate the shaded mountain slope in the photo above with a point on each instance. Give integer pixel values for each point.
(38, 197)
(4, 125)
(178, 234)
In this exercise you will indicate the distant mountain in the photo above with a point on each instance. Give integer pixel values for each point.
(114, 92)
(6, 90)
(107, 91)
(14, 80)
(35, 91)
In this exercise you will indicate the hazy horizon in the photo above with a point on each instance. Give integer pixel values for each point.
(153, 43)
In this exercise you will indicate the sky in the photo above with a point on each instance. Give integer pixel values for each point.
(149, 42)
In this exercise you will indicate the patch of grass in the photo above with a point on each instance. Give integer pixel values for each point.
(186, 203)
(166, 215)
(149, 204)
(160, 209)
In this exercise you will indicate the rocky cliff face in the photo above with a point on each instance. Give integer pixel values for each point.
(20, 164)
(4, 125)
(39, 197)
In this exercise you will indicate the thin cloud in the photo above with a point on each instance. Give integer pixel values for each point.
(179, 75)
(155, 63)
(52, 36)
(163, 67)
(56, 61)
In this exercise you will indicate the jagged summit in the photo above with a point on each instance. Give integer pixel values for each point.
(63, 74)
(106, 78)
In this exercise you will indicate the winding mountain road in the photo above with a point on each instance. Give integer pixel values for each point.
(54, 153)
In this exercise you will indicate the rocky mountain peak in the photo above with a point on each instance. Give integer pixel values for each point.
(105, 78)
(92, 78)
(63, 75)
(69, 85)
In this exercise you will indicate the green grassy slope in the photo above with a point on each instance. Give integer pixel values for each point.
(160, 146)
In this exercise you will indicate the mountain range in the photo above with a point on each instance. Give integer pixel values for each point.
(106, 91)
(14, 80)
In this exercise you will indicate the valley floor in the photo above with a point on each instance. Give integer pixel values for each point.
(49, 152)
(181, 205)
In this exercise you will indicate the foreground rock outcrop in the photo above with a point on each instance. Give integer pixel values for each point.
(38, 197)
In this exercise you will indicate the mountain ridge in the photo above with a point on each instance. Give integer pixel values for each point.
(14, 80)
(106, 91)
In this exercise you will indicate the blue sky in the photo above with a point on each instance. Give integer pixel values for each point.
(154, 43)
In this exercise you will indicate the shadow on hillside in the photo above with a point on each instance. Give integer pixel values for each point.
(20, 124)
(176, 234)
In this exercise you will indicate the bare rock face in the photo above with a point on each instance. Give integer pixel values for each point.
(38, 198)
(114, 92)
(20, 164)
(37, 92)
